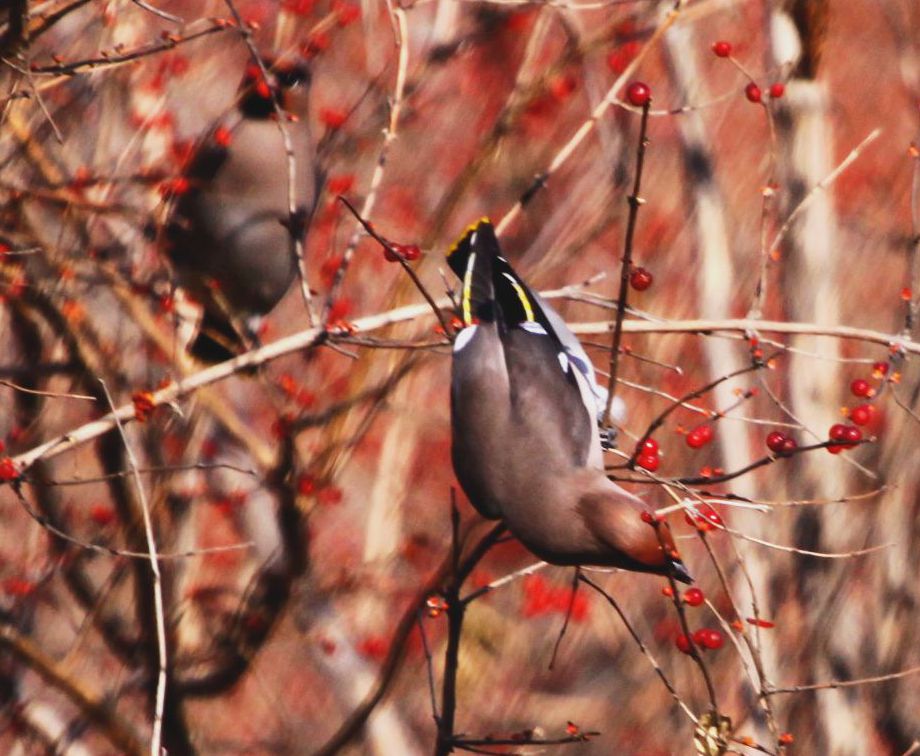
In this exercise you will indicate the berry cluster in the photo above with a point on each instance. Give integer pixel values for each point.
(753, 93)
(408, 252)
(699, 436)
(779, 443)
(647, 455)
(844, 436)
(849, 435)
(706, 638)
(705, 518)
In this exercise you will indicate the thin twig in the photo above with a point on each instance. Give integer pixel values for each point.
(157, 12)
(429, 664)
(642, 647)
(782, 405)
(156, 735)
(303, 340)
(386, 244)
(844, 683)
(498, 583)
(67, 70)
(568, 616)
(389, 135)
(296, 217)
(635, 202)
(96, 708)
(352, 726)
(682, 617)
(820, 187)
(659, 420)
(588, 126)
(44, 522)
(53, 394)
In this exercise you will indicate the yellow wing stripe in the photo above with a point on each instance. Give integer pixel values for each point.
(469, 229)
(525, 300)
(468, 290)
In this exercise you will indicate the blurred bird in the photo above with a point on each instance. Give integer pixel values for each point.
(229, 233)
(526, 446)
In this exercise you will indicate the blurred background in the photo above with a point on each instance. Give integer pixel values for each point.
(323, 479)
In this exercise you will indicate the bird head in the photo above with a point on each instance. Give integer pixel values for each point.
(634, 537)
(288, 81)
(674, 566)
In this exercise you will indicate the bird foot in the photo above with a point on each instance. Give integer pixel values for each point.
(608, 438)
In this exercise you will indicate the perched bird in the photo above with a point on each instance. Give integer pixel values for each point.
(525, 445)
(230, 229)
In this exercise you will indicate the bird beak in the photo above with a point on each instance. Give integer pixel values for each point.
(679, 571)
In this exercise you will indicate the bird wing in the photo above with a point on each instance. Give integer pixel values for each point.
(493, 293)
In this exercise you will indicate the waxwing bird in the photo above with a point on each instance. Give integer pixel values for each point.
(230, 229)
(525, 442)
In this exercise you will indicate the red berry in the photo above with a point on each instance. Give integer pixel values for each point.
(411, 252)
(693, 596)
(789, 446)
(306, 485)
(263, 90)
(786, 738)
(708, 637)
(667, 591)
(648, 462)
(683, 643)
(223, 136)
(777, 90)
(17, 586)
(860, 387)
(340, 184)
(101, 514)
(707, 519)
(845, 435)
(408, 252)
(862, 414)
(560, 87)
(647, 517)
(8, 469)
(347, 14)
(333, 118)
(853, 435)
(649, 446)
(837, 432)
(640, 279)
(753, 93)
(638, 94)
(699, 436)
(879, 369)
(722, 49)
(775, 441)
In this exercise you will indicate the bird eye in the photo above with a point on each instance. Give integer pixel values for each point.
(292, 76)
